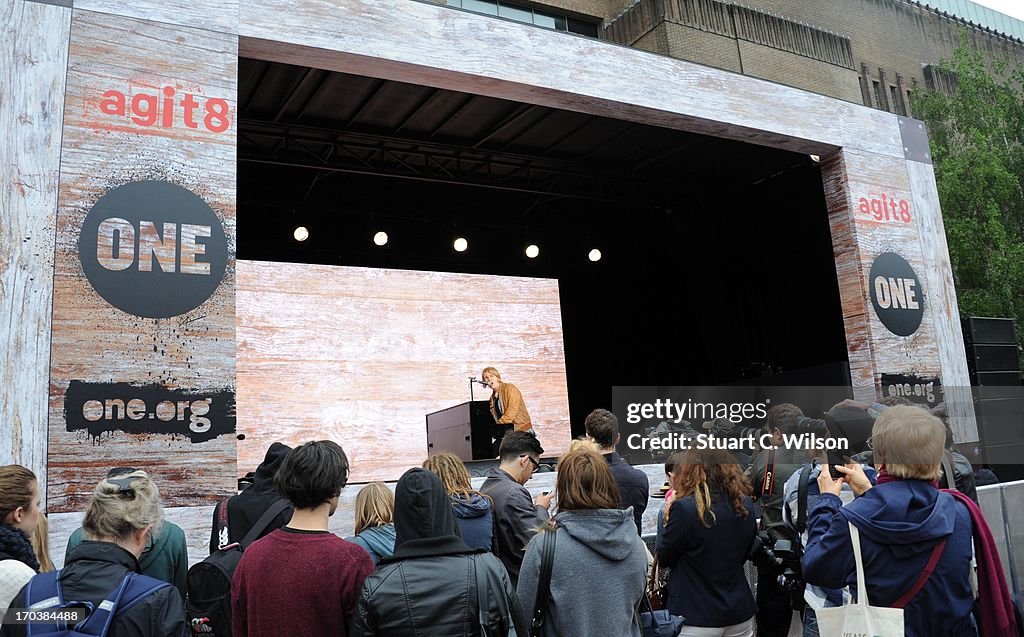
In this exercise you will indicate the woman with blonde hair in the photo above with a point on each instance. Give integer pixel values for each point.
(19, 517)
(704, 534)
(473, 510)
(596, 552)
(41, 545)
(375, 515)
(102, 571)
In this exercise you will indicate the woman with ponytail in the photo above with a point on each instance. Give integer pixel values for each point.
(704, 534)
(19, 516)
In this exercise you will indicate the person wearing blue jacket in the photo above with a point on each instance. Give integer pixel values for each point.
(375, 528)
(474, 511)
(904, 522)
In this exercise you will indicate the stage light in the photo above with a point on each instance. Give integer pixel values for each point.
(301, 233)
(816, 159)
(595, 255)
(381, 238)
(460, 244)
(532, 251)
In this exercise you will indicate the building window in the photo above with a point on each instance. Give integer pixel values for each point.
(878, 93)
(897, 104)
(527, 15)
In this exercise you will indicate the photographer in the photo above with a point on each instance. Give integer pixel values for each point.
(916, 541)
(854, 425)
(768, 473)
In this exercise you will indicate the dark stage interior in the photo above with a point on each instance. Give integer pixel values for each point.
(716, 254)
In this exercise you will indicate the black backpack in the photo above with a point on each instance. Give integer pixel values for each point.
(209, 582)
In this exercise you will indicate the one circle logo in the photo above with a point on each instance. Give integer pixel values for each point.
(153, 249)
(896, 294)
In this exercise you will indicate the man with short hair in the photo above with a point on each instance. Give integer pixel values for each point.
(634, 489)
(301, 579)
(518, 516)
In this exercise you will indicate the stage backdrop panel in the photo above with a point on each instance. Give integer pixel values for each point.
(142, 365)
(360, 356)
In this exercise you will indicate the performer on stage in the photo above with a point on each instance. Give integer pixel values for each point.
(507, 407)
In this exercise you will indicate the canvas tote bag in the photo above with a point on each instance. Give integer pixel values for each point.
(859, 618)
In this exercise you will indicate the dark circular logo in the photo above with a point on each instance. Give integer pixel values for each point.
(896, 294)
(153, 249)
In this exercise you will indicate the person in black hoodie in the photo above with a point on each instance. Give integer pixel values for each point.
(246, 508)
(432, 583)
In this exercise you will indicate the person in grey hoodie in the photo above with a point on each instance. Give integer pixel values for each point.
(596, 551)
(474, 511)
(375, 529)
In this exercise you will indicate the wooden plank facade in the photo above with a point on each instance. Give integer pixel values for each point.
(150, 96)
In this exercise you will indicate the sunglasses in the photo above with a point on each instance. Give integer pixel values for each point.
(536, 465)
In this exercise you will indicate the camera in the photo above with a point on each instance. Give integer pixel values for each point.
(791, 580)
(761, 553)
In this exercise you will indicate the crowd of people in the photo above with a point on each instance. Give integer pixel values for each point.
(436, 556)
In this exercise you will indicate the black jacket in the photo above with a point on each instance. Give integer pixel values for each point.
(634, 488)
(92, 571)
(246, 508)
(429, 585)
(517, 516)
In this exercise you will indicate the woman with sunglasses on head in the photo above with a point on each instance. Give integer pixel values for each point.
(704, 534)
(123, 513)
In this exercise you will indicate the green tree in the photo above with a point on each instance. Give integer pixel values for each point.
(977, 143)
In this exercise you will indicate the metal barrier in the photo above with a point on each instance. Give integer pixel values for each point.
(1003, 506)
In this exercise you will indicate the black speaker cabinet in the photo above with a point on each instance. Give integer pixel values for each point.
(1000, 419)
(464, 430)
(993, 358)
(991, 331)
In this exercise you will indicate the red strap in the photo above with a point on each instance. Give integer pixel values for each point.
(919, 584)
(222, 515)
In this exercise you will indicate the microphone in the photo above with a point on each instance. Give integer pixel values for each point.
(473, 379)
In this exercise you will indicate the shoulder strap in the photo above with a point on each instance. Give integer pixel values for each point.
(801, 499)
(264, 521)
(43, 591)
(947, 470)
(98, 622)
(769, 475)
(547, 558)
(923, 579)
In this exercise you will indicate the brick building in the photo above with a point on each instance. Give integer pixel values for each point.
(872, 52)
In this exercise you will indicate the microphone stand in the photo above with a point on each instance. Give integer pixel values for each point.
(472, 379)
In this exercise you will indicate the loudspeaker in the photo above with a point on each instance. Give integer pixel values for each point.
(992, 354)
(993, 331)
(1000, 413)
(464, 430)
(994, 358)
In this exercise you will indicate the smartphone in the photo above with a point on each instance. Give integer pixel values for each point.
(834, 458)
(546, 493)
